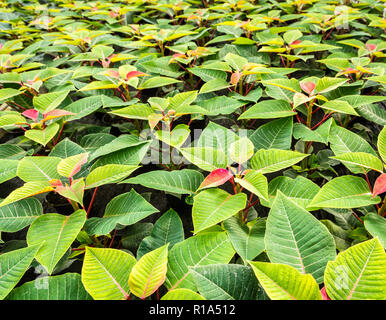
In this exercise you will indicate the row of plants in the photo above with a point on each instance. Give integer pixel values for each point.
(171, 150)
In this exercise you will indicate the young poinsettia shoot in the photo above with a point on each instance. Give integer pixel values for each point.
(216, 178)
(379, 185)
(32, 114)
(308, 87)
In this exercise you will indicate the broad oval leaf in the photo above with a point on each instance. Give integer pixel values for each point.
(105, 273)
(215, 205)
(282, 282)
(344, 192)
(203, 249)
(358, 273)
(295, 237)
(67, 286)
(55, 233)
(149, 272)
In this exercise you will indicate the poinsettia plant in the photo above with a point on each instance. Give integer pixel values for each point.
(187, 150)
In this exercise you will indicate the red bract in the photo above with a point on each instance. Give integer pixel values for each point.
(308, 87)
(216, 178)
(380, 185)
(133, 74)
(31, 114)
(324, 294)
(371, 47)
(295, 42)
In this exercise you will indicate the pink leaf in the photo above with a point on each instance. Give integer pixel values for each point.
(380, 185)
(371, 47)
(295, 43)
(308, 86)
(133, 74)
(324, 294)
(31, 114)
(216, 178)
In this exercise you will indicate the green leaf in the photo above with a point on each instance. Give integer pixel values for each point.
(98, 85)
(203, 249)
(167, 229)
(125, 209)
(84, 107)
(272, 160)
(220, 105)
(66, 148)
(282, 89)
(38, 168)
(18, 215)
(8, 93)
(362, 159)
(108, 174)
(176, 137)
(339, 106)
(182, 294)
(248, 238)
(300, 190)
(156, 82)
(73, 192)
(43, 136)
(105, 273)
(343, 141)
(254, 182)
(207, 159)
(376, 226)
(235, 61)
(185, 181)
(215, 205)
(276, 134)
(214, 85)
(358, 273)
(149, 273)
(8, 169)
(67, 286)
(56, 233)
(49, 101)
(226, 282)
(29, 189)
(381, 144)
(327, 84)
(320, 134)
(295, 237)
(13, 265)
(282, 282)
(268, 109)
(344, 192)
(241, 150)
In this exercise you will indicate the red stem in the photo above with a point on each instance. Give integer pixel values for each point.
(92, 201)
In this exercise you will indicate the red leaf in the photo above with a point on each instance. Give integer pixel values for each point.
(216, 178)
(133, 74)
(308, 86)
(371, 47)
(380, 185)
(31, 114)
(295, 42)
(324, 294)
